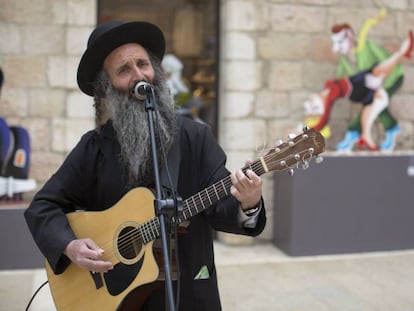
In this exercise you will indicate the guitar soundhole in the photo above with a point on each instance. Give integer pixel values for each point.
(129, 242)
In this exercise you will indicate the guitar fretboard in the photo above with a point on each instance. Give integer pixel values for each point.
(299, 149)
(212, 194)
(197, 203)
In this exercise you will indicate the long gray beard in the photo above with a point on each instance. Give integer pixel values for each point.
(130, 121)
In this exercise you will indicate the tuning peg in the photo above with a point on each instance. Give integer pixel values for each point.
(291, 136)
(291, 171)
(279, 142)
(305, 129)
(318, 159)
(305, 164)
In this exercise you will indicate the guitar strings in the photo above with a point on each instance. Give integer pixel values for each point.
(135, 237)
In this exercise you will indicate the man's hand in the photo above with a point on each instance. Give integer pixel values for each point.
(246, 188)
(86, 254)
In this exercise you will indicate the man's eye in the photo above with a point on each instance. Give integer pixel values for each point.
(123, 70)
(142, 63)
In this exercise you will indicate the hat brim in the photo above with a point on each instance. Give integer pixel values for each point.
(146, 34)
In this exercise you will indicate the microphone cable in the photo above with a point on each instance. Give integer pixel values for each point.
(34, 295)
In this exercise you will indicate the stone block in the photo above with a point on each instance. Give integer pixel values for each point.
(297, 18)
(56, 71)
(285, 76)
(44, 164)
(25, 71)
(278, 130)
(402, 107)
(76, 39)
(58, 135)
(403, 21)
(72, 63)
(237, 104)
(25, 11)
(316, 73)
(286, 46)
(59, 12)
(67, 133)
(39, 131)
(239, 46)
(272, 104)
(244, 15)
(10, 38)
(82, 12)
(237, 159)
(43, 39)
(238, 73)
(75, 129)
(296, 103)
(47, 103)
(14, 102)
(243, 134)
(79, 105)
(408, 85)
(320, 49)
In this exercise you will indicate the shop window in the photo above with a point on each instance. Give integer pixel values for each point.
(191, 31)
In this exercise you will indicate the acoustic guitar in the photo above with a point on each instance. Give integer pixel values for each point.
(127, 237)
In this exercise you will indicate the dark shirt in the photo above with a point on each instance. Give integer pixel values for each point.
(91, 179)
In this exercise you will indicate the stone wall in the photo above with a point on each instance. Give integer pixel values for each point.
(41, 43)
(274, 53)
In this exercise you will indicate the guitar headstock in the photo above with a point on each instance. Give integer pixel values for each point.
(296, 150)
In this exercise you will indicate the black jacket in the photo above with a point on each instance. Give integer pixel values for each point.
(90, 179)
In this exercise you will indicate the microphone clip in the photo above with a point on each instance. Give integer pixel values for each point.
(142, 89)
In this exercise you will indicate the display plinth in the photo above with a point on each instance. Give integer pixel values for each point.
(18, 249)
(348, 203)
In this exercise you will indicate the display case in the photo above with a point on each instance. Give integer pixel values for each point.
(349, 203)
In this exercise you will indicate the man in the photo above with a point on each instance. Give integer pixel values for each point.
(116, 157)
(359, 54)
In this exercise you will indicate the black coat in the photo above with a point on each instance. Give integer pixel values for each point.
(90, 179)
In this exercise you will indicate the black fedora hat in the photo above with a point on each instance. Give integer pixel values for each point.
(111, 35)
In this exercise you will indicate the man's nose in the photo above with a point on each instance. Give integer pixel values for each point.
(137, 74)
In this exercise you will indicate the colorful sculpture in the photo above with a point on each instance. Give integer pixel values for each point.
(368, 88)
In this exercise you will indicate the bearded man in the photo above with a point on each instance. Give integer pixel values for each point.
(113, 160)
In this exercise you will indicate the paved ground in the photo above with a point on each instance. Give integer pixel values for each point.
(260, 277)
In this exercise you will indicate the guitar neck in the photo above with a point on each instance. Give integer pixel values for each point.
(198, 202)
(212, 194)
(299, 149)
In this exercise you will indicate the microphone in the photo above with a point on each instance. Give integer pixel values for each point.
(142, 89)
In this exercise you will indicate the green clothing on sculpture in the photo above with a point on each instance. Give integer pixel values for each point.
(366, 58)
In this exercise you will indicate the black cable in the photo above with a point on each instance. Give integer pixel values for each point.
(177, 264)
(34, 295)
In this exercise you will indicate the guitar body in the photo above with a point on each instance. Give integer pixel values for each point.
(112, 229)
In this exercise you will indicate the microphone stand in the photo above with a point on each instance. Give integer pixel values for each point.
(164, 207)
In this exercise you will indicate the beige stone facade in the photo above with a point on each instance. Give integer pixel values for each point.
(273, 55)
